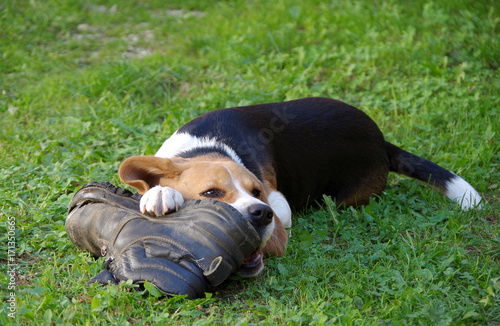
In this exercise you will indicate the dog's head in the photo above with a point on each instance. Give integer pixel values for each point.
(220, 179)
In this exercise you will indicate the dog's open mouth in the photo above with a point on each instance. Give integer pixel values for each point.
(252, 265)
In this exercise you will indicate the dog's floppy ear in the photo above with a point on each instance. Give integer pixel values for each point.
(145, 172)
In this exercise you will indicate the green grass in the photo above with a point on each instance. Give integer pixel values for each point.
(83, 85)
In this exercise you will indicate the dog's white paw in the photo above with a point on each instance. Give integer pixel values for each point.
(160, 200)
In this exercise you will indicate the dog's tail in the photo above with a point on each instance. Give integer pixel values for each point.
(421, 169)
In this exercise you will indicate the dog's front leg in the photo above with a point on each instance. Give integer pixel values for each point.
(281, 208)
(160, 201)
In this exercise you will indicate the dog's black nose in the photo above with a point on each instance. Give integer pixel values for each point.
(261, 214)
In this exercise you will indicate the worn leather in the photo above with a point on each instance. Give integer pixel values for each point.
(185, 253)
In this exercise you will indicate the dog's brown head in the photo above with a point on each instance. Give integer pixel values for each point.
(218, 178)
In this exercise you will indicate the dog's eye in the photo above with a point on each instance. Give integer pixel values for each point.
(213, 193)
(256, 193)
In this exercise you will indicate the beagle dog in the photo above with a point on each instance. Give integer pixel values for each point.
(268, 159)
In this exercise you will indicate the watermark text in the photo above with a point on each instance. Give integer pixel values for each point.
(11, 266)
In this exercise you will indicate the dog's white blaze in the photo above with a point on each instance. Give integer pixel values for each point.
(281, 208)
(182, 142)
(463, 193)
(244, 201)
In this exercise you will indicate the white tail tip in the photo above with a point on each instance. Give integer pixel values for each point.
(462, 192)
